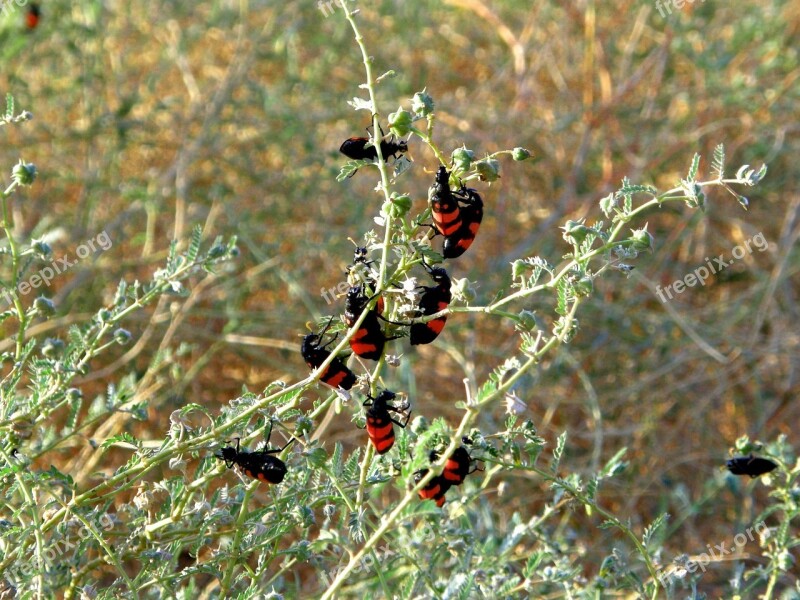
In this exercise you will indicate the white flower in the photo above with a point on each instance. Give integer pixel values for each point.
(514, 404)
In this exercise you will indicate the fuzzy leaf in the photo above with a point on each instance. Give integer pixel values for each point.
(718, 163)
(559, 451)
(692, 176)
(651, 529)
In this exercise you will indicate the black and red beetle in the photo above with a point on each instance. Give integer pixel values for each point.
(260, 464)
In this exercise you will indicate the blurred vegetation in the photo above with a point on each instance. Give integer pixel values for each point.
(152, 118)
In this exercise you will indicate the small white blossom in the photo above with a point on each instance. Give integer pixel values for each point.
(514, 404)
(409, 285)
(393, 360)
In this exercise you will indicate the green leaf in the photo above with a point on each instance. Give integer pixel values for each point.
(614, 465)
(508, 587)
(194, 245)
(124, 437)
(559, 451)
(692, 176)
(350, 167)
(193, 407)
(486, 390)
(75, 404)
(336, 459)
(628, 198)
(173, 262)
(651, 529)
(563, 292)
(408, 584)
(351, 468)
(139, 411)
(459, 587)
(54, 474)
(591, 488)
(361, 104)
(534, 560)
(76, 337)
(718, 163)
(630, 188)
(355, 524)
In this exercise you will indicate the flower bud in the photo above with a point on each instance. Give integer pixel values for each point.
(785, 560)
(608, 204)
(527, 320)
(52, 348)
(419, 424)
(488, 169)
(302, 425)
(520, 154)
(462, 158)
(642, 240)
(44, 306)
(400, 122)
(463, 289)
(24, 173)
(584, 286)
(397, 206)
(561, 330)
(695, 196)
(575, 232)
(317, 457)
(42, 248)
(743, 445)
(217, 251)
(518, 268)
(122, 336)
(422, 104)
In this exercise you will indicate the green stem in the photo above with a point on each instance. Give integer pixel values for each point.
(370, 85)
(22, 316)
(112, 556)
(469, 417)
(427, 137)
(27, 493)
(237, 540)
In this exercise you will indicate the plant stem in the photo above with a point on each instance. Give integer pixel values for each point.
(8, 227)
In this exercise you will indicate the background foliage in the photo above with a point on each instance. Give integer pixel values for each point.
(153, 118)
